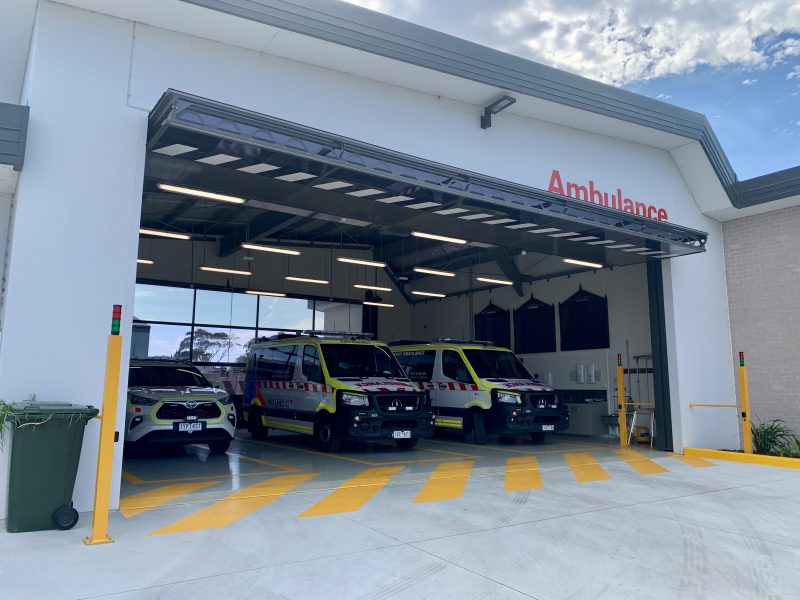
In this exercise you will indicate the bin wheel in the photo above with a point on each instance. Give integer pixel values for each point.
(406, 444)
(325, 434)
(219, 447)
(537, 437)
(478, 427)
(65, 518)
(255, 426)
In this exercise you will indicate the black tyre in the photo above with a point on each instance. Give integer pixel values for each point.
(255, 426)
(65, 518)
(537, 437)
(406, 444)
(325, 434)
(478, 427)
(219, 447)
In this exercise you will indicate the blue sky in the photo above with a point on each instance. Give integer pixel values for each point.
(736, 61)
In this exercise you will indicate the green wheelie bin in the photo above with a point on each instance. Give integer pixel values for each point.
(45, 449)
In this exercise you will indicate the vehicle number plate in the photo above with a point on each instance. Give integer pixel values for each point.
(548, 427)
(401, 435)
(190, 427)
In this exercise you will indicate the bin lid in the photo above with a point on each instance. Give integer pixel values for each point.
(29, 410)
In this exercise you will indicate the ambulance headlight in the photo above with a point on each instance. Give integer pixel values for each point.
(509, 397)
(352, 399)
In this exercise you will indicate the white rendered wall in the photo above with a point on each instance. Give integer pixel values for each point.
(76, 219)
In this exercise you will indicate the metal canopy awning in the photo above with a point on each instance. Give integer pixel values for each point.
(299, 173)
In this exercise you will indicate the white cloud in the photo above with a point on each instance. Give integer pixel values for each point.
(663, 96)
(794, 73)
(619, 41)
(749, 81)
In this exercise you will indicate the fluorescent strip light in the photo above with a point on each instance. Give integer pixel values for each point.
(563, 235)
(618, 246)
(166, 234)
(383, 304)
(441, 238)
(299, 176)
(307, 280)
(639, 249)
(451, 211)
(365, 193)
(199, 193)
(377, 288)
(257, 293)
(333, 185)
(431, 294)
(272, 249)
(498, 281)
(434, 272)
(585, 238)
(358, 261)
(218, 159)
(144, 261)
(393, 199)
(258, 168)
(423, 205)
(599, 242)
(175, 149)
(652, 253)
(231, 271)
(476, 216)
(582, 263)
(521, 226)
(545, 230)
(498, 221)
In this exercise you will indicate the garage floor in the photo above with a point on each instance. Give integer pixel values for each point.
(567, 519)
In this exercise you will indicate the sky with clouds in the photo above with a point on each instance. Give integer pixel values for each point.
(736, 61)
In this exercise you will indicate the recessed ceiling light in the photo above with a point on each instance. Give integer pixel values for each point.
(451, 211)
(497, 281)
(272, 249)
(258, 168)
(476, 216)
(498, 221)
(144, 261)
(441, 238)
(434, 272)
(230, 271)
(545, 230)
(639, 249)
(420, 205)
(177, 189)
(166, 234)
(175, 149)
(306, 280)
(299, 176)
(383, 304)
(365, 193)
(600, 242)
(377, 288)
(218, 159)
(358, 261)
(585, 238)
(431, 294)
(333, 185)
(563, 235)
(619, 246)
(582, 263)
(257, 293)
(521, 226)
(393, 199)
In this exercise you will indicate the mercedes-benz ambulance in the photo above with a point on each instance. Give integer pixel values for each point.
(478, 388)
(335, 387)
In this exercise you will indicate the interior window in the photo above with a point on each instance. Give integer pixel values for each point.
(312, 369)
(453, 367)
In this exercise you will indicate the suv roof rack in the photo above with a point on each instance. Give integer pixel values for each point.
(407, 342)
(339, 334)
(459, 341)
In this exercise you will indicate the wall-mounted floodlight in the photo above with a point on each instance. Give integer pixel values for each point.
(495, 107)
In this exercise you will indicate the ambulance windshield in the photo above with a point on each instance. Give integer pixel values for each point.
(360, 360)
(496, 364)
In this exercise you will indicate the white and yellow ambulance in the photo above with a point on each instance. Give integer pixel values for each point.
(478, 388)
(335, 387)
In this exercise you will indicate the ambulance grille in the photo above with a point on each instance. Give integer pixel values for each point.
(397, 404)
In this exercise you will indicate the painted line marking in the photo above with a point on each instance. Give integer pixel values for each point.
(353, 493)
(585, 467)
(446, 482)
(261, 461)
(639, 462)
(522, 473)
(131, 478)
(516, 451)
(135, 480)
(238, 505)
(136, 504)
(694, 461)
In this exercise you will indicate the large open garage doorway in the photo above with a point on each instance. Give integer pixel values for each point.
(253, 226)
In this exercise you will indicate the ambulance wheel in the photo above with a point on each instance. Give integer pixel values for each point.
(65, 518)
(325, 434)
(537, 437)
(406, 444)
(256, 426)
(478, 427)
(219, 447)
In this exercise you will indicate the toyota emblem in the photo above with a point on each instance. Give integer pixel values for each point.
(191, 404)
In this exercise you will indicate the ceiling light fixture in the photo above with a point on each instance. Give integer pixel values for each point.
(144, 261)
(358, 261)
(272, 249)
(306, 280)
(383, 304)
(377, 288)
(497, 281)
(582, 263)
(431, 294)
(440, 238)
(495, 107)
(166, 234)
(433, 272)
(230, 271)
(257, 293)
(177, 189)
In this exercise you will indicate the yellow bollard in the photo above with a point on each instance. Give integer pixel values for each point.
(744, 407)
(623, 417)
(108, 419)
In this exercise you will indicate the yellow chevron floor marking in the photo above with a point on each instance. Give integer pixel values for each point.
(353, 493)
(585, 467)
(694, 461)
(639, 462)
(135, 504)
(522, 473)
(446, 482)
(237, 505)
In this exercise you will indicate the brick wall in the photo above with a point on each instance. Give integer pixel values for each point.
(762, 260)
